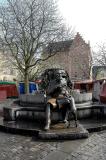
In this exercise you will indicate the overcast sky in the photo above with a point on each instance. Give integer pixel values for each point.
(87, 16)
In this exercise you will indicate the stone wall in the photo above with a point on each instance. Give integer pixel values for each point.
(79, 56)
(7, 71)
(76, 60)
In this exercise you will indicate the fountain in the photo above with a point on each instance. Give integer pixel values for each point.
(49, 113)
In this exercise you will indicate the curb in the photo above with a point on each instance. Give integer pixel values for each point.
(62, 134)
(96, 129)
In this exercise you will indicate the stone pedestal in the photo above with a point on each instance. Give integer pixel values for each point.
(81, 97)
(9, 113)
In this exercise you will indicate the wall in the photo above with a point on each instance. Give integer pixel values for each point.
(76, 60)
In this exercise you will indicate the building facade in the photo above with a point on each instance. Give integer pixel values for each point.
(7, 71)
(74, 56)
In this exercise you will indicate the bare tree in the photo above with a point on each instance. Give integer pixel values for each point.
(99, 61)
(26, 26)
(99, 56)
(5, 66)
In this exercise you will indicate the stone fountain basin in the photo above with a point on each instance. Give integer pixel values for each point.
(33, 107)
(29, 111)
(81, 97)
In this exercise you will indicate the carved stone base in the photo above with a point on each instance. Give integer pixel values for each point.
(59, 131)
(35, 129)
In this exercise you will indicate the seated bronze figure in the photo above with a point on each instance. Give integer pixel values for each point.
(57, 85)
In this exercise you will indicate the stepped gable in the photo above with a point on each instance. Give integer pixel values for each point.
(63, 46)
(79, 40)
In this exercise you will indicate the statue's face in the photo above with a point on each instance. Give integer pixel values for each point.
(59, 76)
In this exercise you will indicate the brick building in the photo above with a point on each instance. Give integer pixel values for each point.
(7, 72)
(73, 55)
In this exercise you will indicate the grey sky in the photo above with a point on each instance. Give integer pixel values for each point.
(88, 18)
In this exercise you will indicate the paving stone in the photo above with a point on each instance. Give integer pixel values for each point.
(15, 147)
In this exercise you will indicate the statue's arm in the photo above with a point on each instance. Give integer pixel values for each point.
(70, 84)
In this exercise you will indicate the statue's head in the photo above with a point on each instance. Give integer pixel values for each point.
(57, 77)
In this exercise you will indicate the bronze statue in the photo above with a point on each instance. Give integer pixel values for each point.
(57, 85)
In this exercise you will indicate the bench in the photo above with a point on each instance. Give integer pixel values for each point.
(33, 103)
(91, 110)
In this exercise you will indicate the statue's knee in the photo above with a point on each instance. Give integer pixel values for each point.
(72, 100)
(48, 107)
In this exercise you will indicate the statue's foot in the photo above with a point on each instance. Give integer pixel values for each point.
(65, 121)
(76, 124)
(47, 127)
(67, 124)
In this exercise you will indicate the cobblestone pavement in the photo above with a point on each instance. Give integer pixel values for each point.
(15, 147)
(94, 148)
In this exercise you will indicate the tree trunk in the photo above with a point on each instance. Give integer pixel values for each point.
(26, 81)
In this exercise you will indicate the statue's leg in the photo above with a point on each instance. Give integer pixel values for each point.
(48, 117)
(68, 115)
(65, 112)
(75, 118)
(73, 109)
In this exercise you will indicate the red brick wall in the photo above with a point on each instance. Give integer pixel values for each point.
(79, 56)
(76, 61)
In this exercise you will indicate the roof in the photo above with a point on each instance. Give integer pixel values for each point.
(7, 82)
(61, 46)
(84, 82)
